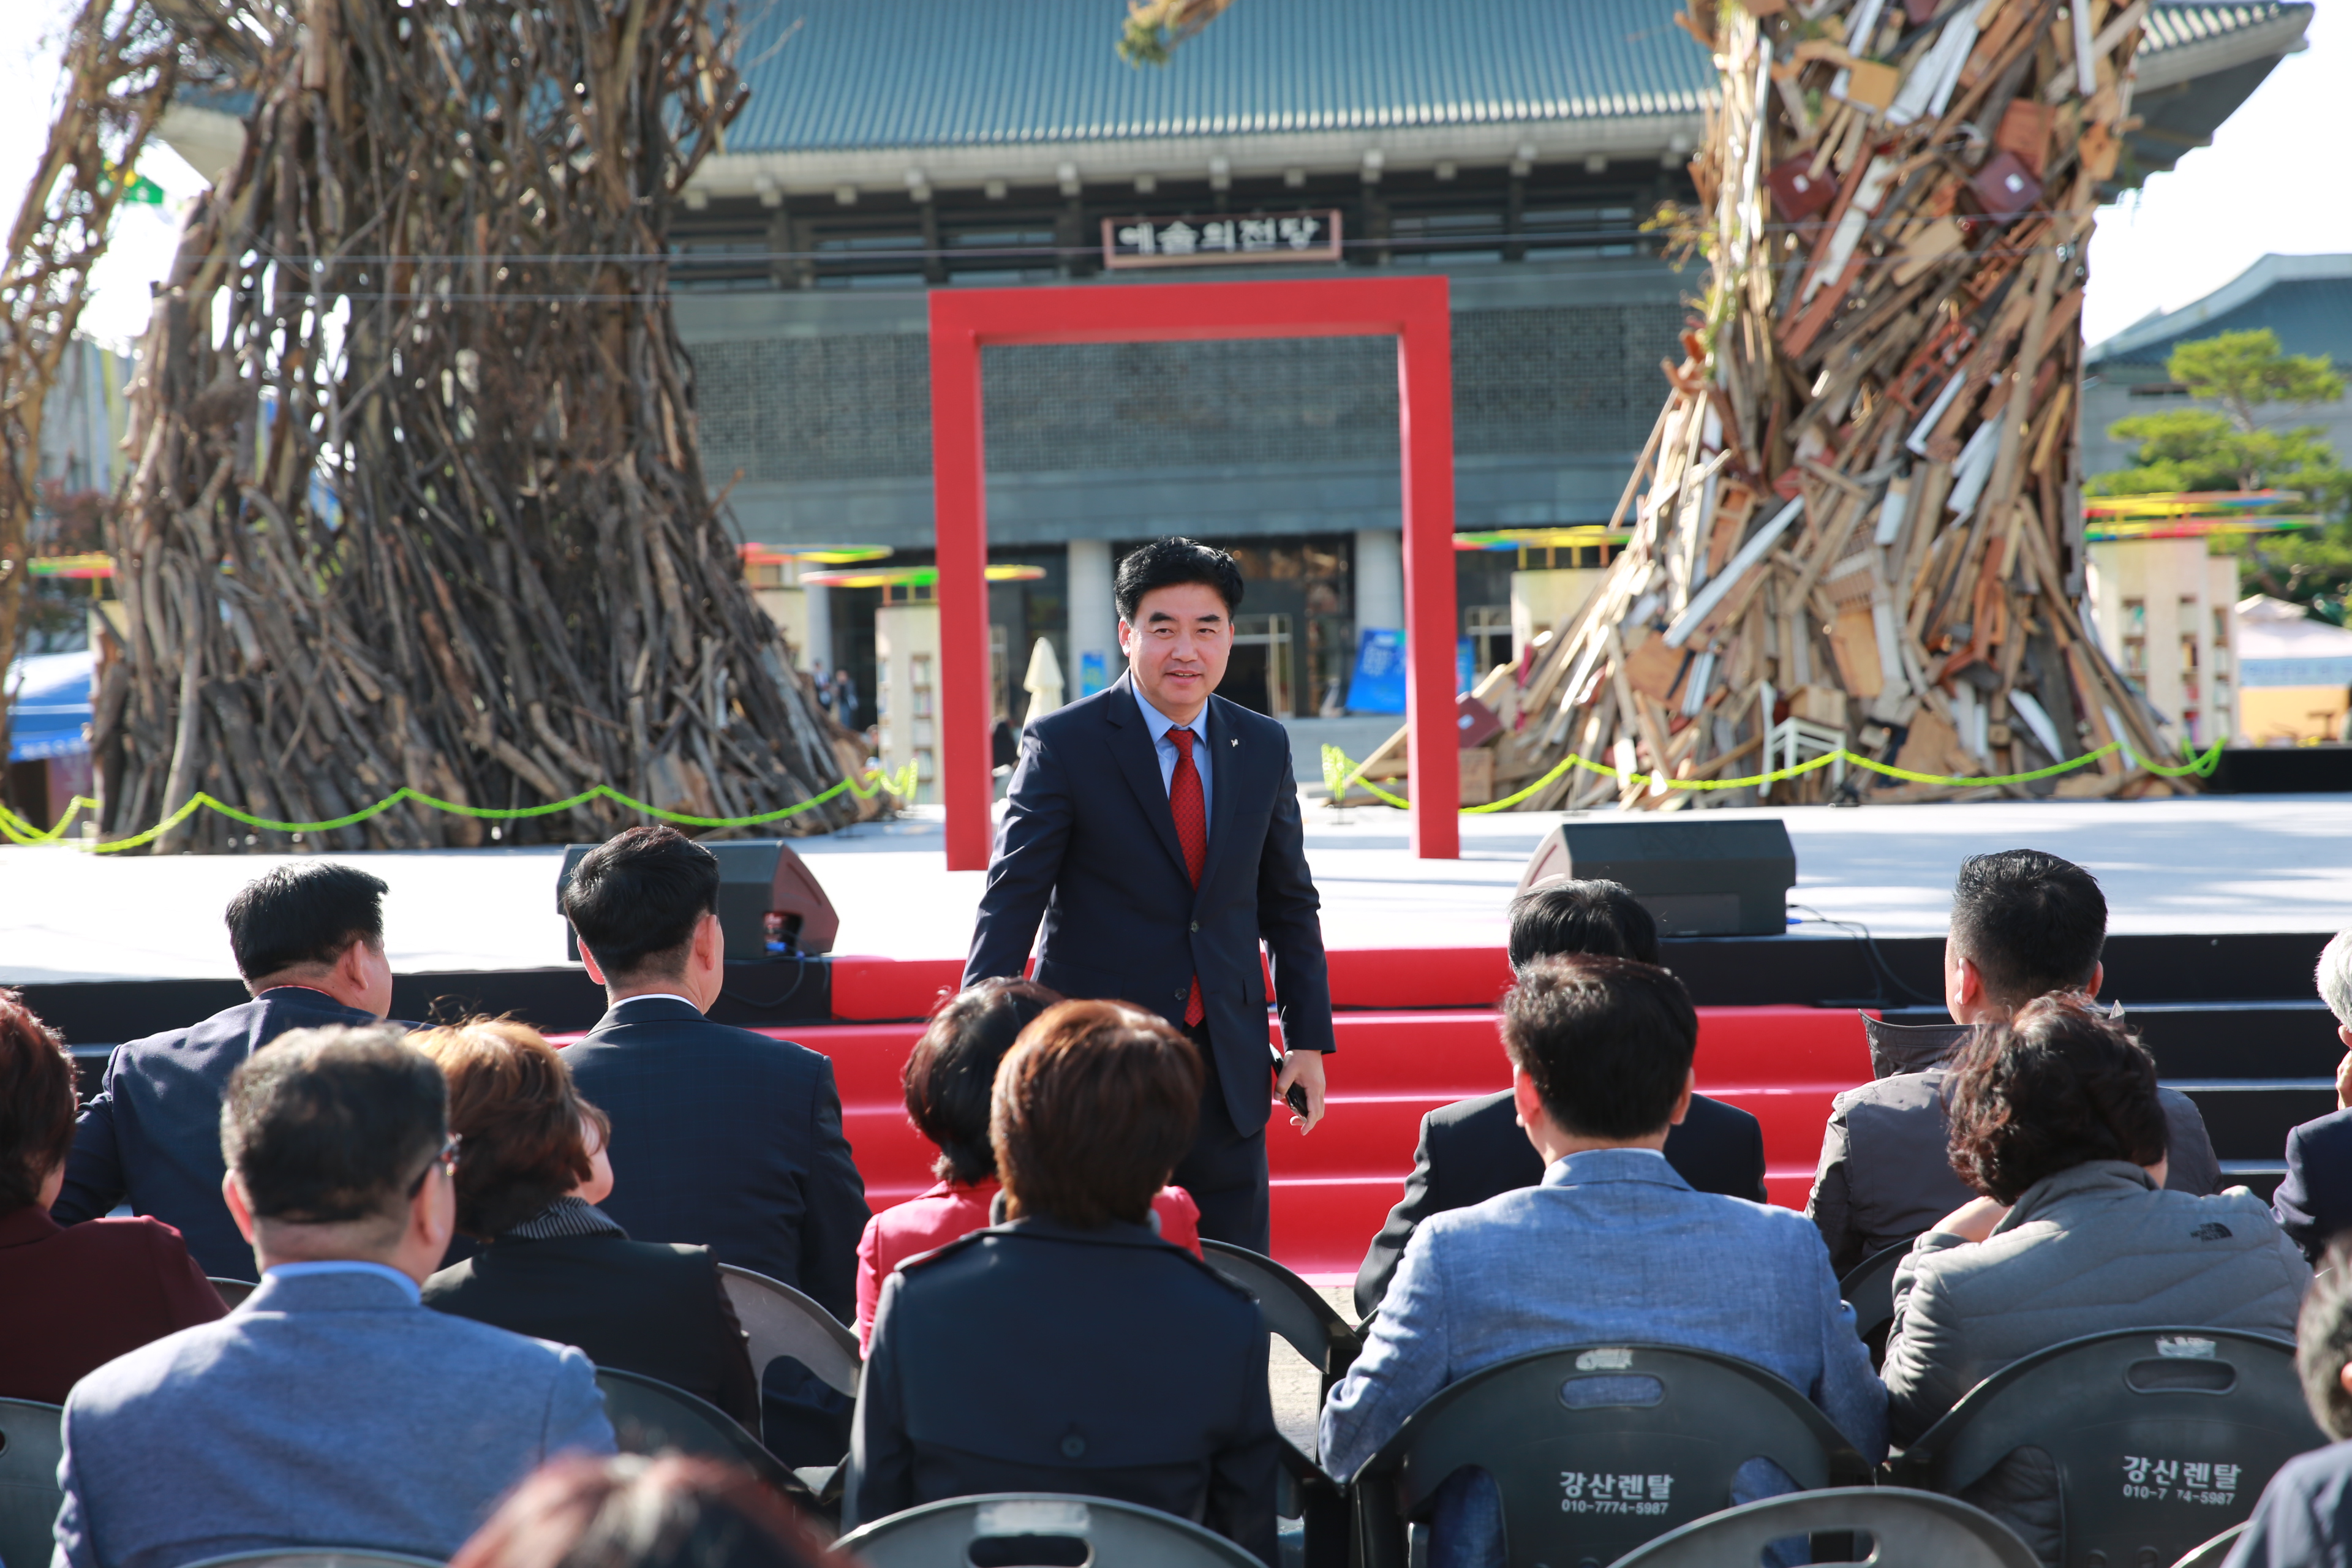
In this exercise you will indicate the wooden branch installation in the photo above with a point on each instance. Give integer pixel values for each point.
(418, 498)
(1866, 461)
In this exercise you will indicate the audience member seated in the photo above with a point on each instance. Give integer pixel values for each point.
(1613, 1244)
(2304, 1516)
(2055, 1121)
(532, 1167)
(332, 1409)
(71, 1300)
(2313, 1202)
(1071, 1348)
(309, 938)
(721, 1137)
(2024, 924)
(633, 1512)
(950, 1075)
(1474, 1149)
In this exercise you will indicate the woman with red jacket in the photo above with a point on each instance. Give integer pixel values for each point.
(72, 1298)
(948, 1077)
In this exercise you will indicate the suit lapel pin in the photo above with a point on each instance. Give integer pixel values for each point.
(1233, 742)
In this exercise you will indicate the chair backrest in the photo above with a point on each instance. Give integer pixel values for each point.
(2216, 1551)
(783, 1322)
(1295, 1311)
(649, 1417)
(233, 1292)
(1652, 1443)
(1869, 1289)
(1002, 1527)
(32, 1441)
(319, 1557)
(2160, 1436)
(1917, 1530)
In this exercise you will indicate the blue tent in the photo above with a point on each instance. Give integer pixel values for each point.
(48, 710)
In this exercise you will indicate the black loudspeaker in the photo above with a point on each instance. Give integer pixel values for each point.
(1698, 878)
(770, 904)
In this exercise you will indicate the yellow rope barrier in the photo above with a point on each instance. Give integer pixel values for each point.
(1340, 771)
(19, 830)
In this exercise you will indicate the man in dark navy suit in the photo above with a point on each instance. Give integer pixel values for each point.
(309, 938)
(721, 1137)
(1475, 1149)
(1154, 830)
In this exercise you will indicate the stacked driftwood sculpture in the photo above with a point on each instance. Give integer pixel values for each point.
(418, 497)
(1863, 502)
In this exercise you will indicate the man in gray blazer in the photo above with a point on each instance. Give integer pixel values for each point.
(1613, 1244)
(330, 1409)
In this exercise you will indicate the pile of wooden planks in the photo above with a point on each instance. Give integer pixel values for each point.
(418, 497)
(1861, 525)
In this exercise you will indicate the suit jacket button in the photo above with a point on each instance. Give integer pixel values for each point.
(1196, 925)
(1072, 1447)
(1182, 992)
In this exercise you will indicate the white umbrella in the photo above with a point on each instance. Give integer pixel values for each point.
(1043, 681)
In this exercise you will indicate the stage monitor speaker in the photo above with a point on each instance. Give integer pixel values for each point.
(770, 904)
(1698, 878)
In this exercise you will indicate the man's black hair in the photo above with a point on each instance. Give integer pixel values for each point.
(303, 913)
(1608, 1041)
(635, 899)
(2031, 923)
(1573, 916)
(329, 1125)
(1164, 562)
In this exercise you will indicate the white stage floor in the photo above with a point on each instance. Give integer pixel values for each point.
(2209, 865)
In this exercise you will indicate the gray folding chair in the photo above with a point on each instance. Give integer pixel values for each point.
(32, 1441)
(1298, 1316)
(2160, 1436)
(1869, 1289)
(1039, 1527)
(1914, 1530)
(233, 1292)
(1596, 1449)
(319, 1557)
(2214, 1552)
(782, 1321)
(649, 1417)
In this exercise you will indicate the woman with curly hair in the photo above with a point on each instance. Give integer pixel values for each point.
(2055, 1121)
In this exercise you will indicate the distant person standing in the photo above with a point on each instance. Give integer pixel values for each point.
(1154, 831)
(844, 698)
(309, 938)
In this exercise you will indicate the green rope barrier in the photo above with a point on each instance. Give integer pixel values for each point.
(19, 830)
(1340, 771)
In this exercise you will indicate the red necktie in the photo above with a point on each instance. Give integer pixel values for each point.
(1192, 832)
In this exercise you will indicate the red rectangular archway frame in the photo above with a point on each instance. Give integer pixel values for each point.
(1414, 310)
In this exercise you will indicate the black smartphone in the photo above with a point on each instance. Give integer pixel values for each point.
(1297, 1098)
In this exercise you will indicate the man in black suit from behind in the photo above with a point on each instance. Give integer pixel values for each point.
(308, 938)
(1476, 1149)
(1154, 829)
(721, 1137)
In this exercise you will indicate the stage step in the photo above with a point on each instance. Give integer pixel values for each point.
(1333, 1189)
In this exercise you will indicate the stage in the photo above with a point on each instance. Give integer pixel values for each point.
(2219, 906)
(2212, 863)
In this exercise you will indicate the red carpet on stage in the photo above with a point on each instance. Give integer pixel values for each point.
(1416, 1030)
